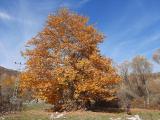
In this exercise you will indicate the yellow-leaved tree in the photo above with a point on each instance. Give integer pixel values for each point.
(64, 64)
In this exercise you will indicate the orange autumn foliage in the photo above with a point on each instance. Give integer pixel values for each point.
(64, 62)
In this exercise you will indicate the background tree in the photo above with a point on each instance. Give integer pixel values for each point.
(125, 90)
(64, 65)
(124, 70)
(141, 70)
(7, 85)
(142, 85)
(156, 56)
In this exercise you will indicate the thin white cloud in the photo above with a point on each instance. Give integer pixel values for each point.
(83, 2)
(5, 16)
(66, 4)
(134, 42)
(3, 51)
(73, 4)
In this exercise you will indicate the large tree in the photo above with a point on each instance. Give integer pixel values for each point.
(64, 65)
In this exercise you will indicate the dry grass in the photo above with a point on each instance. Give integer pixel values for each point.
(37, 112)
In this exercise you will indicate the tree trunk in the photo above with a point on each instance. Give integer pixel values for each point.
(147, 97)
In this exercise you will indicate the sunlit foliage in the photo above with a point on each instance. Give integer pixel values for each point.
(64, 64)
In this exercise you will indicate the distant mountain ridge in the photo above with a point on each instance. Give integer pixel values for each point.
(8, 72)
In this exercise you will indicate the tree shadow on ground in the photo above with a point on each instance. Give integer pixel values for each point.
(103, 106)
(108, 110)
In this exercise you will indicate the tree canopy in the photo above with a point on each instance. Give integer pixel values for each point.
(64, 65)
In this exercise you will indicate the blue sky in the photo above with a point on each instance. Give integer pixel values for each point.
(131, 27)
